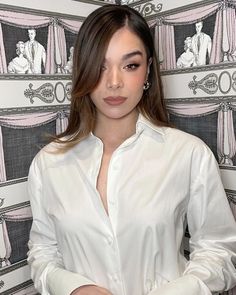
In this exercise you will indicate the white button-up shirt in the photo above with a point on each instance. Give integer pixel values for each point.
(157, 179)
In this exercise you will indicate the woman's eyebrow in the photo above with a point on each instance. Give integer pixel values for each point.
(131, 54)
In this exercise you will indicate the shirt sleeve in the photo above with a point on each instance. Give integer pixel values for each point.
(45, 261)
(212, 228)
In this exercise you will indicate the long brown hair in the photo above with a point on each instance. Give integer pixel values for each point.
(89, 53)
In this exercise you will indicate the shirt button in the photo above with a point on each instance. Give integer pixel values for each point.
(111, 202)
(109, 240)
(115, 278)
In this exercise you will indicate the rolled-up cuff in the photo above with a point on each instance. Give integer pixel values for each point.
(185, 285)
(63, 282)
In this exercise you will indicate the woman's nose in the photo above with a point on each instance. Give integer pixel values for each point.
(114, 79)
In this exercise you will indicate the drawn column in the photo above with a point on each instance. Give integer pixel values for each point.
(57, 56)
(225, 37)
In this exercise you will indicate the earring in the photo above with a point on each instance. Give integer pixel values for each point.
(146, 85)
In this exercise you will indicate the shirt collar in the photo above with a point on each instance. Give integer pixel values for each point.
(141, 125)
(144, 123)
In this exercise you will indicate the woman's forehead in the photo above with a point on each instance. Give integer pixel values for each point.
(124, 43)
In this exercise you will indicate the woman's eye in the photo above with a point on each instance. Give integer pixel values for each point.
(132, 67)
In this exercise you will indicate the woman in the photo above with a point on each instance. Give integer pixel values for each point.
(186, 59)
(69, 65)
(19, 64)
(111, 195)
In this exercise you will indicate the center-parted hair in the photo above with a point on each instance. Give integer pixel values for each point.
(89, 54)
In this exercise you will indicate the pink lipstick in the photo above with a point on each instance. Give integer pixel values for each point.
(115, 100)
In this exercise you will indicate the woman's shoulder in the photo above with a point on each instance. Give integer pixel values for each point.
(14, 61)
(179, 137)
(59, 152)
(188, 146)
(52, 154)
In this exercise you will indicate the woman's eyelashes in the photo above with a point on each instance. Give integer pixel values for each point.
(128, 67)
(132, 66)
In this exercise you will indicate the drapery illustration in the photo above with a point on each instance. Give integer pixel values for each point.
(50, 67)
(28, 121)
(15, 215)
(216, 50)
(61, 122)
(56, 42)
(226, 136)
(62, 46)
(168, 47)
(3, 63)
(226, 143)
(224, 35)
(70, 25)
(22, 121)
(231, 33)
(192, 15)
(21, 20)
(2, 161)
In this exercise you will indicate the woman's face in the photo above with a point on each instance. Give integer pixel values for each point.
(188, 43)
(21, 48)
(124, 72)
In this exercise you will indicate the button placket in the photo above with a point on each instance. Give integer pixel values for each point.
(114, 269)
(111, 196)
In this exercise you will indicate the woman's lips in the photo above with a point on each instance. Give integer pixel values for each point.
(114, 100)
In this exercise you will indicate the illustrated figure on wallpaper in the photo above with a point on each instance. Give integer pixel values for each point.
(201, 45)
(19, 64)
(186, 59)
(69, 65)
(35, 53)
(111, 195)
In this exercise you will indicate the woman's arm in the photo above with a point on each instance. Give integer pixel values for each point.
(47, 268)
(212, 227)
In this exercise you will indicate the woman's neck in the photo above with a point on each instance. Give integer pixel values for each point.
(113, 132)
